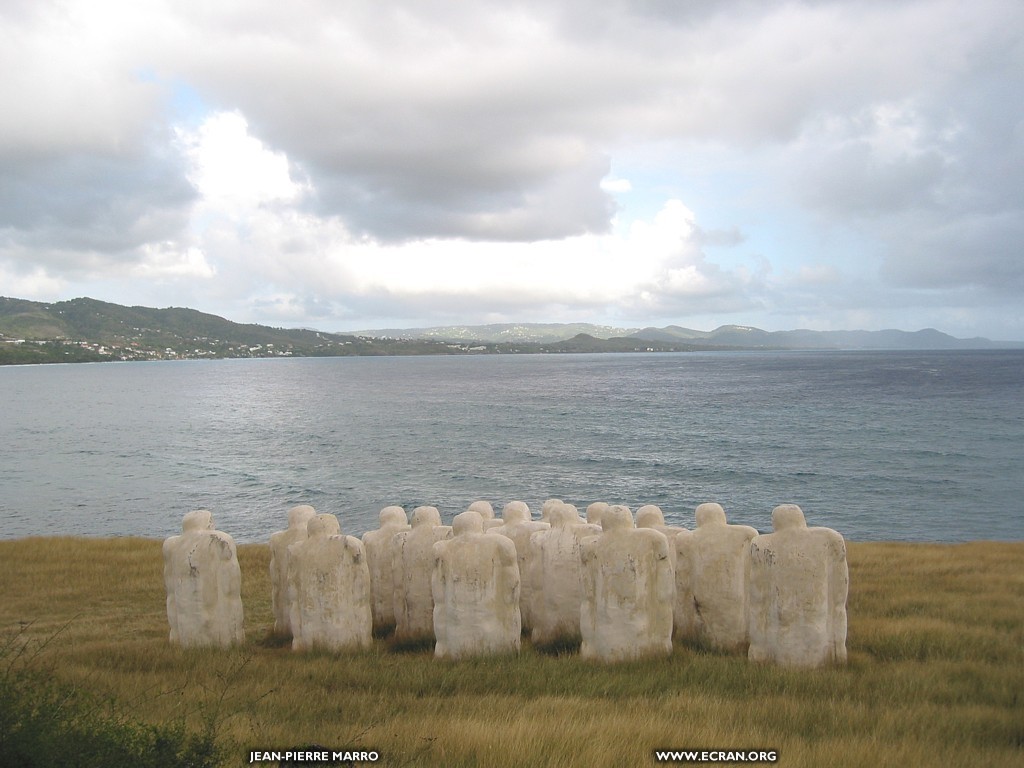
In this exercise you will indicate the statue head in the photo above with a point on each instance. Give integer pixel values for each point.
(515, 512)
(547, 506)
(299, 516)
(199, 520)
(787, 516)
(469, 521)
(428, 516)
(393, 515)
(563, 515)
(595, 511)
(709, 514)
(484, 508)
(616, 518)
(649, 515)
(322, 526)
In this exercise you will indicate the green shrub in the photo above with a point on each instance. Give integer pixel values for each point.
(43, 724)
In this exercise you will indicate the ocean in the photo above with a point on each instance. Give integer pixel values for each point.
(900, 446)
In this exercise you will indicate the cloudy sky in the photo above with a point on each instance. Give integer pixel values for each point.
(353, 164)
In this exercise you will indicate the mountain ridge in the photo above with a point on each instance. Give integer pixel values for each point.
(89, 330)
(738, 336)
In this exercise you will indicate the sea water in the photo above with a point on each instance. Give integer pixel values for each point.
(909, 446)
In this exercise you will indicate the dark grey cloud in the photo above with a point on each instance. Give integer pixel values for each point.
(982, 250)
(90, 201)
(451, 203)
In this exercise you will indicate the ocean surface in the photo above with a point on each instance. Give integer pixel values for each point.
(906, 446)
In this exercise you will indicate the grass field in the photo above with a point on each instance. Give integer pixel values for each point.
(936, 673)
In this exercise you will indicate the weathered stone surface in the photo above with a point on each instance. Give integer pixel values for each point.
(718, 578)
(476, 592)
(298, 517)
(651, 516)
(330, 585)
(518, 527)
(203, 582)
(628, 589)
(555, 576)
(379, 559)
(798, 583)
(684, 612)
(413, 568)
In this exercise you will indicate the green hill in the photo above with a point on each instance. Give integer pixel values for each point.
(86, 330)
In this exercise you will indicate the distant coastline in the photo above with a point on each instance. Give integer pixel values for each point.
(87, 330)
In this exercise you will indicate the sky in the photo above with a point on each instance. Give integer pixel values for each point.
(351, 164)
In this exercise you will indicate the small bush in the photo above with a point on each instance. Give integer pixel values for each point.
(44, 724)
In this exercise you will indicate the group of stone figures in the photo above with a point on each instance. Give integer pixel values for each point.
(621, 589)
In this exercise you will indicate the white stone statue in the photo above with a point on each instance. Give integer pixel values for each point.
(485, 509)
(595, 510)
(520, 509)
(518, 527)
(651, 516)
(798, 583)
(683, 621)
(330, 584)
(379, 559)
(547, 506)
(298, 517)
(204, 585)
(628, 588)
(718, 579)
(476, 592)
(413, 568)
(486, 512)
(554, 575)
(578, 524)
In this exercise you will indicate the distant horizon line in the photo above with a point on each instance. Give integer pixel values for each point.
(633, 329)
(537, 323)
(638, 328)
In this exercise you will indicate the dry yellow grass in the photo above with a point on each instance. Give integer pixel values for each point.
(936, 672)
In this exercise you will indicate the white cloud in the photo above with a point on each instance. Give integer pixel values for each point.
(234, 172)
(616, 186)
(167, 261)
(33, 283)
